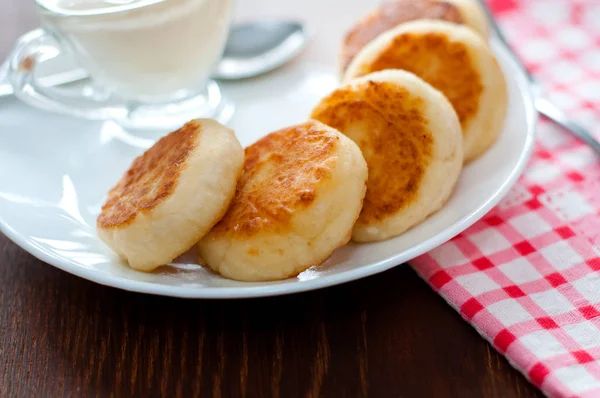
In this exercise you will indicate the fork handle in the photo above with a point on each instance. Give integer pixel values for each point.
(551, 112)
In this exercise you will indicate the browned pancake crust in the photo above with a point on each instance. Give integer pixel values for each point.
(394, 139)
(151, 178)
(281, 175)
(391, 14)
(444, 64)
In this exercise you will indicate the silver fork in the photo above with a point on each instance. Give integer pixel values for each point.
(542, 104)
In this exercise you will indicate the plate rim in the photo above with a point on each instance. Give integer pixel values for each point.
(277, 289)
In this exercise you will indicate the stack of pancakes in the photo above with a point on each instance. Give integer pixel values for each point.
(421, 95)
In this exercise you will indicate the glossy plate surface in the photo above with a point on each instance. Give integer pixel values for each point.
(55, 172)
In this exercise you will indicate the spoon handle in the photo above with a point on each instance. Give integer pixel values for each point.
(500, 36)
(547, 109)
(542, 105)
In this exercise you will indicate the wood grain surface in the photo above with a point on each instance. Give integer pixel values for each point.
(384, 336)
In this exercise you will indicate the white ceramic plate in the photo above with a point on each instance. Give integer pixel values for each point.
(55, 172)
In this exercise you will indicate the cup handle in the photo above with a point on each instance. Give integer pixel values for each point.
(39, 46)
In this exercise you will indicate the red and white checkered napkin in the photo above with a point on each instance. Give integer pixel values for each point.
(527, 276)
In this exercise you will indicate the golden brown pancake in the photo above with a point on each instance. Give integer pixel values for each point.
(411, 139)
(443, 63)
(172, 195)
(398, 148)
(151, 178)
(453, 59)
(296, 160)
(389, 15)
(300, 194)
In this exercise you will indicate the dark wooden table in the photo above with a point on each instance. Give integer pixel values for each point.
(384, 336)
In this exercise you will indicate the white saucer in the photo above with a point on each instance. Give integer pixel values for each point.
(55, 172)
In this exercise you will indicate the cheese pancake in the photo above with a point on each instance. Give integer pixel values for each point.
(453, 59)
(389, 15)
(172, 195)
(411, 139)
(296, 202)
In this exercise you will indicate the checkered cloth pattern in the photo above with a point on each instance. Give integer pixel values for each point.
(527, 276)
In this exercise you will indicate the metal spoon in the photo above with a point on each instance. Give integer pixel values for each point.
(251, 50)
(259, 47)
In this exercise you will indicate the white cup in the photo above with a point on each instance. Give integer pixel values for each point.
(149, 60)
